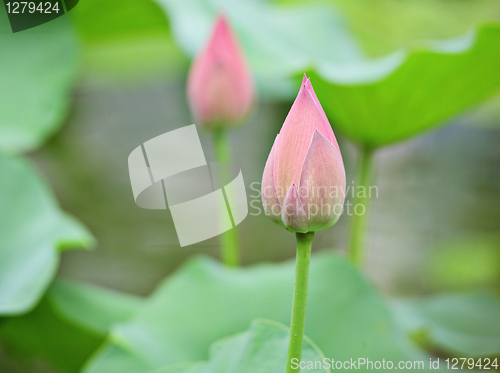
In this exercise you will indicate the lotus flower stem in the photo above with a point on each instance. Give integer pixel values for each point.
(304, 242)
(358, 222)
(230, 252)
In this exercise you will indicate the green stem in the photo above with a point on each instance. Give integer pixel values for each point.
(304, 241)
(222, 152)
(230, 252)
(358, 220)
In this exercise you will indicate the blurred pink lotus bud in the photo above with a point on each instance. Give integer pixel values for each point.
(220, 87)
(303, 186)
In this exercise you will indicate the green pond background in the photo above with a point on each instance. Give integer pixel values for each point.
(434, 228)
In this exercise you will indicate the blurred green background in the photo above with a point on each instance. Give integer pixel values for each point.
(435, 226)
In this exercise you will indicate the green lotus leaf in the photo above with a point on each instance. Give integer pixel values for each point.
(33, 231)
(261, 349)
(37, 71)
(391, 99)
(205, 301)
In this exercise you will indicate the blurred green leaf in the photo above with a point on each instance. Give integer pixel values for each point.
(37, 70)
(277, 41)
(93, 307)
(32, 232)
(384, 26)
(391, 99)
(126, 39)
(69, 324)
(465, 263)
(43, 334)
(261, 349)
(108, 21)
(205, 301)
(115, 357)
(461, 324)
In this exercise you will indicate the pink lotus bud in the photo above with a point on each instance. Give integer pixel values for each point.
(303, 186)
(220, 87)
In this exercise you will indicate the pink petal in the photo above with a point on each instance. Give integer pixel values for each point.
(293, 214)
(322, 183)
(270, 201)
(305, 117)
(220, 87)
(329, 134)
